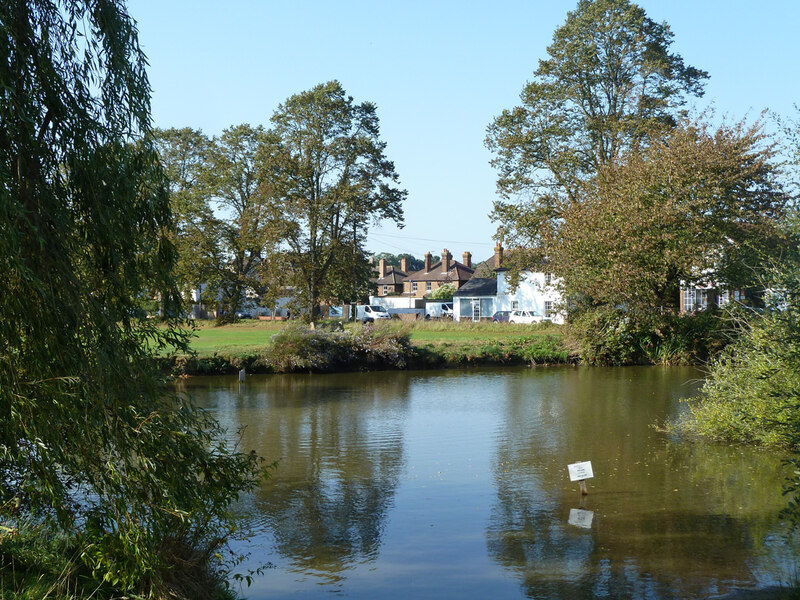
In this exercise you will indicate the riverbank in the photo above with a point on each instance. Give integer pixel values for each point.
(425, 345)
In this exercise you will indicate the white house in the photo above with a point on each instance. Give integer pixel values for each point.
(480, 298)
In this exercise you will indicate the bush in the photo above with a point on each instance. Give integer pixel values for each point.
(613, 336)
(299, 349)
(752, 394)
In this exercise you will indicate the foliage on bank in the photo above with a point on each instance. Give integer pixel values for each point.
(379, 347)
(92, 448)
(752, 394)
(607, 336)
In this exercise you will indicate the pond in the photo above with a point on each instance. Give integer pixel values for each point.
(455, 484)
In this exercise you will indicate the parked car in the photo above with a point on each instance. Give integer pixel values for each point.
(244, 315)
(501, 316)
(523, 316)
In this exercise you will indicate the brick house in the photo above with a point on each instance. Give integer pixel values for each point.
(434, 276)
(390, 280)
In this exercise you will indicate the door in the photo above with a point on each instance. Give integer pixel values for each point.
(476, 310)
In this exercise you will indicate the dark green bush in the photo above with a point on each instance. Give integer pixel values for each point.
(300, 349)
(613, 336)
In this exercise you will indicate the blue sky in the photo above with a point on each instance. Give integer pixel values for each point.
(439, 71)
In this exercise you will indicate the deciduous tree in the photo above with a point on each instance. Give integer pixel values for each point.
(609, 85)
(702, 205)
(90, 439)
(326, 174)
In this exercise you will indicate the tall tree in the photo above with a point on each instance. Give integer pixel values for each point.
(184, 155)
(327, 177)
(232, 174)
(89, 438)
(610, 83)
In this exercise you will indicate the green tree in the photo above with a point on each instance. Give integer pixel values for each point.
(328, 179)
(233, 178)
(698, 205)
(184, 155)
(610, 84)
(414, 264)
(444, 292)
(90, 440)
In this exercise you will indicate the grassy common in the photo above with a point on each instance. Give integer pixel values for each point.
(426, 344)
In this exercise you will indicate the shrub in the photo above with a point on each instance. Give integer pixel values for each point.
(299, 349)
(613, 336)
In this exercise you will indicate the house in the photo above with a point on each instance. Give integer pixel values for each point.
(433, 276)
(391, 280)
(476, 299)
(483, 296)
(703, 296)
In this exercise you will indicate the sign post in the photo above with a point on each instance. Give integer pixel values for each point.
(580, 472)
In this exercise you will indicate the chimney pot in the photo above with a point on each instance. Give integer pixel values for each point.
(446, 258)
(427, 262)
(498, 256)
(467, 260)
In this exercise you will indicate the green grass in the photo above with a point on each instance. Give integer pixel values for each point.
(252, 336)
(248, 336)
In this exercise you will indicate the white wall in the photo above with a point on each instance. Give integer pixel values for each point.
(531, 294)
(397, 301)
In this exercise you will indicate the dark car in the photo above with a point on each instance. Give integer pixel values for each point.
(501, 316)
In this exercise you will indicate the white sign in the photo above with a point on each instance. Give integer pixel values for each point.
(581, 470)
(581, 517)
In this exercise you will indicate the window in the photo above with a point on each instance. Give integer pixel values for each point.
(701, 300)
(548, 309)
(385, 290)
(428, 286)
(414, 287)
(547, 278)
(688, 299)
(514, 304)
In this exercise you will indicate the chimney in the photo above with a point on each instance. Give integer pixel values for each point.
(427, 262)
(498, 256)
(382, 268)
(446, 260)
(467, 260)
(404, 265)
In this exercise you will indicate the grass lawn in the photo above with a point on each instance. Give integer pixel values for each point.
(239, 338)
(249, 336)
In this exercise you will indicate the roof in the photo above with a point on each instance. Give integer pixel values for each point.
(486, 268)
(478, 286)
(394, 276)
(458, 272)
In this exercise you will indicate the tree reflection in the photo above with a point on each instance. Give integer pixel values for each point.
(339, 442)
(670, 520)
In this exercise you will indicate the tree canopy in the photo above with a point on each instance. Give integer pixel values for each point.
(691, 207)
(89, 438)
(327, 178)
(609, 85)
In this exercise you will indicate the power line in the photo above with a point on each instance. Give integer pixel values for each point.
(406, 237)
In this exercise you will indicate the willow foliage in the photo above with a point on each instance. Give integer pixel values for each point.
(88, 440)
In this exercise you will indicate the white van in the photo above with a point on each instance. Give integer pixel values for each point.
(437, 310)
(367, 313)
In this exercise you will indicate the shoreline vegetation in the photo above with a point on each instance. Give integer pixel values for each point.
(333, 346)
(275, 347)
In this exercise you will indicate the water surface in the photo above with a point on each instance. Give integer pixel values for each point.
(455, 484)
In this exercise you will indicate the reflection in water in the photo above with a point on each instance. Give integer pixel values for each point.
(455, 484)
(340, 449)
(672, 520)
